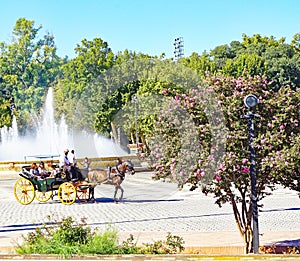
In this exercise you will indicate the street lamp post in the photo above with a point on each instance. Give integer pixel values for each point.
(251, 101)
(136, 124)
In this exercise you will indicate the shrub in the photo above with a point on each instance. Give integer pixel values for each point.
(67, 238)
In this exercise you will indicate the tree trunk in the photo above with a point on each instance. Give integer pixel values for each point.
(132, 137)
(248, 240)
(243, 221)
(144, 142)
(114, 132)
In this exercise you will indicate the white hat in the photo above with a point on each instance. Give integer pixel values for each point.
(66, 150)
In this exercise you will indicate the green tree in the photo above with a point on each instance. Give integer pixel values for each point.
(78, 87)
(296, 42)
(200, 63)
(251, 63)
(257, 55)
(145, 77)
(28, 66)
(228, 179)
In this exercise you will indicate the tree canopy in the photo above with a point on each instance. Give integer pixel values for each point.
(199, 136)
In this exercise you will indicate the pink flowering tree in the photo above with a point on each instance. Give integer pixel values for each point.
(182, 147)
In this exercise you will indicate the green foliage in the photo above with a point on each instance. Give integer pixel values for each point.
(172, 245)
(5, 112)
(182, 141)
(78, 92)
(200, 63)
(258, 55)
(67, 238)
(28, 65)
(251, 63)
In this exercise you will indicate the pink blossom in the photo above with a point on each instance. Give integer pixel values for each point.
(244, 161)
(223, 167)
(263, 141)
(244, 170)
(218, 178)
(230, 155)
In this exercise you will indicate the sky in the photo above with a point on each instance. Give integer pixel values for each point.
(151, 26)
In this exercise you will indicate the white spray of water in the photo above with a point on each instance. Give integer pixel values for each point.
(52, 138)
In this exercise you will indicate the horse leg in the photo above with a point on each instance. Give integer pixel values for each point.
(92, 193)
(115, 195)
(122, 191)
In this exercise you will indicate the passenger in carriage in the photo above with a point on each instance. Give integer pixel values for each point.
(42, 170)
(52, 171)
(34, 170)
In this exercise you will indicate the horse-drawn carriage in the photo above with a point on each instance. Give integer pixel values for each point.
(29, 187)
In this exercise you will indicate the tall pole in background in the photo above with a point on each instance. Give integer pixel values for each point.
(250, 102)
(136, 124)
(178, 48)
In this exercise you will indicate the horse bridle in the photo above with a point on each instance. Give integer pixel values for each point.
(129, 167)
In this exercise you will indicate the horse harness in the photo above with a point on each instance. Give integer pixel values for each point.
(121, 175)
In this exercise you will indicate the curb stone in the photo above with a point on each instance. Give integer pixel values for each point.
(179, 257)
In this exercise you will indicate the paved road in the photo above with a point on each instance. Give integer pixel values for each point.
(150, 210)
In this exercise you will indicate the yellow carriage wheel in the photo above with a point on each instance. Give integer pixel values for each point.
(66, 193)
(24, 191)
(83, 193)
(43, 196)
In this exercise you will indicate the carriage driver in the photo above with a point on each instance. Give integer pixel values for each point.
(66, 163)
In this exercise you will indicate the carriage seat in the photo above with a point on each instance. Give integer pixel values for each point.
(26, 172)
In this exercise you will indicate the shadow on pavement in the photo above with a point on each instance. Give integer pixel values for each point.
(110, 200)
(294, 242)
(280, 209)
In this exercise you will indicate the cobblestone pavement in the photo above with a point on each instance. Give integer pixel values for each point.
(151, 209)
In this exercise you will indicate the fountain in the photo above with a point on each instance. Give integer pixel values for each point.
(52, 138)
